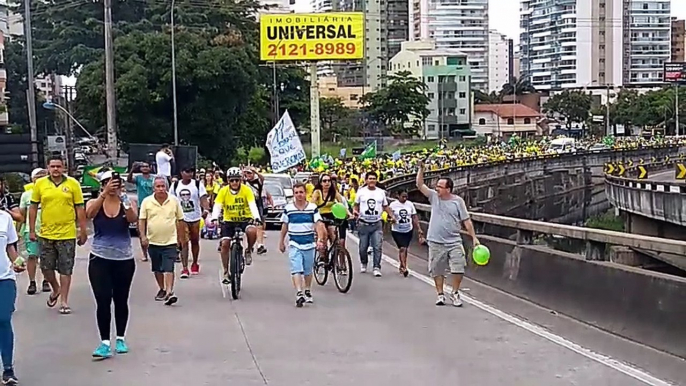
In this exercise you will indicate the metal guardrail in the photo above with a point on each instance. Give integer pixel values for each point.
(579, 233)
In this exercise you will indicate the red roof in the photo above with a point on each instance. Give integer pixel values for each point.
(508, 110)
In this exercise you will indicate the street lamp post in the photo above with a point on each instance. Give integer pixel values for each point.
(53, 106)
(173, 57)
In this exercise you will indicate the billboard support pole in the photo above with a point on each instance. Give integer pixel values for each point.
(314, 110)
(676, 109)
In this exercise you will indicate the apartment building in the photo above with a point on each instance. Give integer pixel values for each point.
(500, 60)
(586, 43)
(350, 96)
(678, 40)
(455, 24)
(446, 73)
(4, 114)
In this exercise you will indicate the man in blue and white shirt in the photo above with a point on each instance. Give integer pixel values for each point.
(301, 221)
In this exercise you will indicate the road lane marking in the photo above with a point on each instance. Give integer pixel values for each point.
(610, 362)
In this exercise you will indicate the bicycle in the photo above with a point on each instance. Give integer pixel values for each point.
(236, 262)
(339, 263)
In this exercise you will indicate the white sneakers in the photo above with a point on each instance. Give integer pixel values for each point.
(377, 272)
(457, 301)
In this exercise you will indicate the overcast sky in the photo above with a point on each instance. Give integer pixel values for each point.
(505, 14)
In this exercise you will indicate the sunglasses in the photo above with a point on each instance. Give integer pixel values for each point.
(235, 180)
(326, 180)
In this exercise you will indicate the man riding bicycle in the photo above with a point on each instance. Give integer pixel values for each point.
(237, 202)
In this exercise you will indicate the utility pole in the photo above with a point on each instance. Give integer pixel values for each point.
(173, 56)
(676, 109)
(69, 138)
(276, 94)
(31, 92)
(109, 85)
(607, 112)
(314, 110)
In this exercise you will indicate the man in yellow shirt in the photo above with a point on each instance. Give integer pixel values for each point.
(61, 201)
(160, 226)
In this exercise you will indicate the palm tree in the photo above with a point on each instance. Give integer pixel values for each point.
(519, 86)
(481, 98)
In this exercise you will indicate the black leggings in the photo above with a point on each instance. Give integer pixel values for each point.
(111, 281)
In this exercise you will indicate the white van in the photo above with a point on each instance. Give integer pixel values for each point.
(563, 145)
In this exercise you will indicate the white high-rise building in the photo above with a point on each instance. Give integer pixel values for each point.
(455, 24)
(587, 43)
(499, 60)
(276, 6)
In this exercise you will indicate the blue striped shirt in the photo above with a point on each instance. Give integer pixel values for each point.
(301, 225)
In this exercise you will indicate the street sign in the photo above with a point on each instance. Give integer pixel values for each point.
(621, 169)
(680, 171)
(642, 172)
(674, 72)
(609, 168)
(57, 143)
(312, 36)
(630, 163)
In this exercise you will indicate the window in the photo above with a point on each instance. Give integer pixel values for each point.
(430, 95)
(510, 121)
(353, 97)
(482, 121)
(437, 63)
(527, 121)
(463, 78)
(462, 94)
(432, 127)
(463, 111)
(430, 79)
(453, 61)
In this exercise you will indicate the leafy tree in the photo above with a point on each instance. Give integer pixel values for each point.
(293, 89)
(573, 106)
(481, 97)
(516, 87)
(331, 112)
(402, 101)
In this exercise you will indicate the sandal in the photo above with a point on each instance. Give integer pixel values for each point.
(65, 310)
(52, 301)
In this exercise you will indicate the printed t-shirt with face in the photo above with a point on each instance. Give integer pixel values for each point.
(189, 197)
(403, 213)
(371, 203)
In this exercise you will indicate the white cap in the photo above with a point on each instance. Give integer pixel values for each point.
(35, 172)
(106, 175)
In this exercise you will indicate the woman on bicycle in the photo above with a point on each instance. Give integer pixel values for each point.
(325, 196)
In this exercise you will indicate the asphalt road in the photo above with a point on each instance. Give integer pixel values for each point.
(385, 331)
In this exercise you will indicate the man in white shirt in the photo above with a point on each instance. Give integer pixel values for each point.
(9, 264)
(370, 201)
(163, 159)
(194, 205)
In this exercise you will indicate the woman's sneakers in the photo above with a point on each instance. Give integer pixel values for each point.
(8, 377)
(104, 350)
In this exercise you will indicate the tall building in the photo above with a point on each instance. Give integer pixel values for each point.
(678, 40)
(276, 6)
(455, 24)
(4, 114)
(500, 60)
(447, 76)
(585, 43)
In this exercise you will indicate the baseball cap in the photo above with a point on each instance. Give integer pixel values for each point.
(36, 171)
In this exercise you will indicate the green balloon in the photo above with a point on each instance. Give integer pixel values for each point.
(481, 255)
(339, 211)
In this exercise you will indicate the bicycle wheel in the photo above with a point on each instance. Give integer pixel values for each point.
(321, 271)
(343, 270)
(235, 269)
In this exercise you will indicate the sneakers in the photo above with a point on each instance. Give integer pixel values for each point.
(440, 300)
(226, 280)
(308, 297)
(8, 377)
(363, 268)
(171, 299)
(457, 302)
(299, 299)
(195, 269)
(32, 288)
(46, 286)
(120, 346)
(377, 272)
(103, 351)
(185, 273)
(161, 295)
(261, 250)
(248, 257)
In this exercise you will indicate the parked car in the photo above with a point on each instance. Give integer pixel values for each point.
(282, 179)
(280, 200)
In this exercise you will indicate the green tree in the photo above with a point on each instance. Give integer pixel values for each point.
(402, 101)
(572, 106)
(516, 87)
(481, 97)
(331, 112)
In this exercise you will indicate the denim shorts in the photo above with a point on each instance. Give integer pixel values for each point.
(302, 260)
(162, 257)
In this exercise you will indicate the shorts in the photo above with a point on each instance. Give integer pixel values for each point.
(229, 228)
(402, 239)
(342, 228)
(31, 247)
(57, 255)
(188, 227)
(302, 260)
(442, 257)
(162, 258)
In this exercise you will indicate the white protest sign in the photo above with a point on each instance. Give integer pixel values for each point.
(284, 145)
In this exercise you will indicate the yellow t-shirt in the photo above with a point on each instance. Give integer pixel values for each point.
(161, 220)
(309, 189)
(236, 207)
(58, 207)
(324, 208)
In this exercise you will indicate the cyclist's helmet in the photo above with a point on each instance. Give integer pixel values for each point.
(233, 173)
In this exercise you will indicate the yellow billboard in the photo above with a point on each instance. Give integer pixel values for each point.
(312, 36)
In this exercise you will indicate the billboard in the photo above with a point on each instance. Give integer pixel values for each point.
(675, 72)
(312, 36)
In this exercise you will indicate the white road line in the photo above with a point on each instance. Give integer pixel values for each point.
(221, 285)
(622, 367)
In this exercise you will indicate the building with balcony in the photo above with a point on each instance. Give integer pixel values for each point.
(649, 26)
(447, 75)
(500, 60)
(678, 40)
(505, 120)
(329, 88)
(4, 115)
(456, 25)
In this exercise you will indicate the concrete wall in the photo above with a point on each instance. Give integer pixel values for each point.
(640, 305)
(644, 199)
